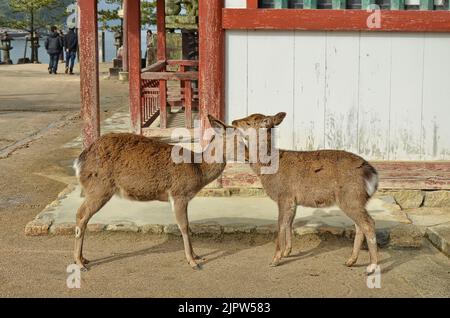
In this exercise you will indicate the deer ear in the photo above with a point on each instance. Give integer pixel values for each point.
(266, 122)
(278, 118)
(216, 124)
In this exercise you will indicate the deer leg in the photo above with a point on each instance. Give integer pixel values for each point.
(285, 212)
(366, 226)
(359, 239)
(290, 219)
(180, 207)
(87, 209)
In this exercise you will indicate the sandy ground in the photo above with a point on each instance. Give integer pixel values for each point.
(139, 265)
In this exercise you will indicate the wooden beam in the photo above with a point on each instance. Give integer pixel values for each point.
(134, 55)
(252, 4)
(183, 62)
(413, 175)
(89, 82)
(211, 63)
(334, 20)
(161, 29)
(170, 76)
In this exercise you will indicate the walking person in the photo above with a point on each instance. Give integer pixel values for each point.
(71, 45)
(61, 55)
(54, 46)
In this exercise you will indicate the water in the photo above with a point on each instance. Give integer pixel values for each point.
(110, 50)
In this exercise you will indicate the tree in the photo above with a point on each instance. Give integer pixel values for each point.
(148, 15)
(34, 15)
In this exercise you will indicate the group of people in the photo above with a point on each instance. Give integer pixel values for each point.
(57, 43)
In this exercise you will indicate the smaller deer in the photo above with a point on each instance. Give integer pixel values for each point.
(142, 169)
(316, 179)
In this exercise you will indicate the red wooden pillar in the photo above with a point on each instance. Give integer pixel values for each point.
(211, 61)
(125, 36)
(161, 55)
(134, 62)
(89, 83)
(252, 4)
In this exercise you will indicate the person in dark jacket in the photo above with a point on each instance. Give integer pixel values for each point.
(54, 46)
(71, 45)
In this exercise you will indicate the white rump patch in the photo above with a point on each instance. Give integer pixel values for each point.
(371, 184)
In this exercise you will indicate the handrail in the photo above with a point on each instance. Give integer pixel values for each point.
(155, 67)
(167, 76)
(183, 62)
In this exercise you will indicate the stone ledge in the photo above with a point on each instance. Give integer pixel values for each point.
(439, 235)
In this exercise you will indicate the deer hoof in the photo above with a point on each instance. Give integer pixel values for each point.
(287, 253)
(350, 262)
(274, 263)
(196, 267)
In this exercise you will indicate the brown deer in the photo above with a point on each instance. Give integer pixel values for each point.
(143, 169)
(316, 179)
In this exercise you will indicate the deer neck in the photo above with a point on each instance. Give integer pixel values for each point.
(211, 170)
(268, 147)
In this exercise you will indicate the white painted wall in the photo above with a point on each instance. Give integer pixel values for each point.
(385, 96)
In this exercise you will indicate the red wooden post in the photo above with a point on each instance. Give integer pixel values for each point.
(211, 61)
(89, 83)
(252, 4)
(134, 62)
(161, 30)
(125, 36)
(161, 55)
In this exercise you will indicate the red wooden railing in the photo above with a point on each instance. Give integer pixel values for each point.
(156, 96)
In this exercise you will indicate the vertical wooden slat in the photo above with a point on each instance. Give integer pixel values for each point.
(426, 4)
(236, 74)
(397, 5)
(89, 83)
(309, 88)
(366, 3)
(163, 103)
(279, 4)
(436, 97)
(134, 55)
(252, 4)
(339, 4)
(341, 91)
(310, 4)
(271, 85)
(406, 100)
(188, 103)
(211, 60)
